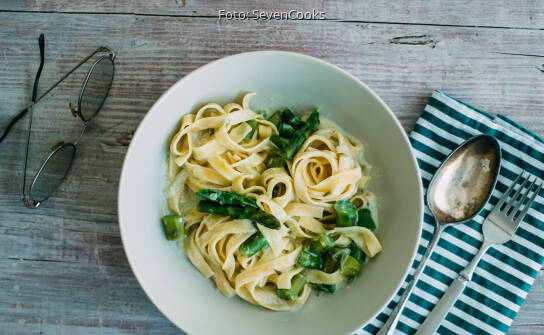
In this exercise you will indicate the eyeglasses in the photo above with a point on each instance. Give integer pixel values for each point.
(94, 91)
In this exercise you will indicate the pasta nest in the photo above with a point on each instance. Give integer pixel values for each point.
(326, 168)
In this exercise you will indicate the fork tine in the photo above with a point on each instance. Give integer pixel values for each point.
(516, 195)
(505, 195)
(522, 215)
(520, 203)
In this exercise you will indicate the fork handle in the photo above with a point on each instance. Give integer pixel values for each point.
(469, 269)
(434, 319)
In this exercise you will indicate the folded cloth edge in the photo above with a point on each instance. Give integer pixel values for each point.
(500, 119)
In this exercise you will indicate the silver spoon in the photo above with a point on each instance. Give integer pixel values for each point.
(458, 191)
(499, 226)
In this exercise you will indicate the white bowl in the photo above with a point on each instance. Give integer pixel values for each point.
(280, 79)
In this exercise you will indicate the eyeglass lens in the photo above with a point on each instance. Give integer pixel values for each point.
(97, 88)
(53, 172)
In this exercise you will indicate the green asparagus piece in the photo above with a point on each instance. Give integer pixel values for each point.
(356, 252)
(325, 287)
(290, 151)
(308, 259)
(286, 130)
(289, 117)
(346, 213)
(279, 141)
(321, 244)
(334, 258)
(311, 124)
(365, 219)
(274, 162)
(227, 198)
(262, 112)
(265, 219)
(253, 125)
(253, 244)
(350, 267)
(275, 118)
(212, 207)
(174, 227)
(297, 284)
(254, 215)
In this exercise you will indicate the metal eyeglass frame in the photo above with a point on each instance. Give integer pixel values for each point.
(76, 111)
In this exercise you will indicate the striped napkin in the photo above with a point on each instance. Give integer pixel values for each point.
(505, 274)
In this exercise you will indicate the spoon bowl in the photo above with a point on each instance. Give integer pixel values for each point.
(463, 184)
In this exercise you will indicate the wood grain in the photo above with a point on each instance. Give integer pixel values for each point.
(529, 319)
(503, 13)
(50, 297)
(62, 267)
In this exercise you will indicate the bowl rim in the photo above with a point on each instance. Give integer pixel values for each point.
(279, 53)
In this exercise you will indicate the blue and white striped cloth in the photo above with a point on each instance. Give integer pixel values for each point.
(505, 274)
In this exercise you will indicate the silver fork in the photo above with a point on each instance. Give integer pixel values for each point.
(499, 226)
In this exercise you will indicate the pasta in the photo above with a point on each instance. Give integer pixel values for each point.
(263, 214)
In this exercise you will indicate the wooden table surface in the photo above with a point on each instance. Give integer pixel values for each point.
(62, 266)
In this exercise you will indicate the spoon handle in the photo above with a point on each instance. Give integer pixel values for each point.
(444, 305)
(391, 324)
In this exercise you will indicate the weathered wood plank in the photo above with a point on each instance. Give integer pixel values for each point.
(529, 320)
(505, 13)
(47, 297)
(75, 267)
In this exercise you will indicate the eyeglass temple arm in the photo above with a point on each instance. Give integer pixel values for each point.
(41, 43)
(34, 101)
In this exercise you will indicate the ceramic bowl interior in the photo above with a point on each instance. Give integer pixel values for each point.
(280, 79)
